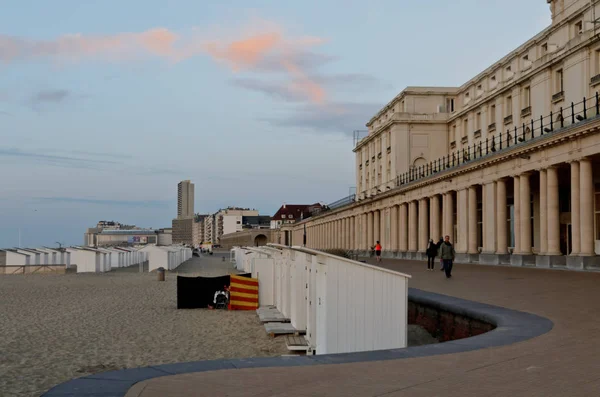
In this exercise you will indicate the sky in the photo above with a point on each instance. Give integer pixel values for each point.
(106, 106)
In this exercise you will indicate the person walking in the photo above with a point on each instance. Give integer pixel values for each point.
(447, 254)
(378, 251)
(438, 245)
(431, 252)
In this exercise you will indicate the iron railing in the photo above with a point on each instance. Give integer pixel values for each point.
(555, 122)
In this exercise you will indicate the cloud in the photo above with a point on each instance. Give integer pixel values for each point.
(276, 89)
(53, 96)
(121, 203)
(284, 90)
(333, 118)
(61, 161)
(3, 113)
(157, 42)
(272, 51)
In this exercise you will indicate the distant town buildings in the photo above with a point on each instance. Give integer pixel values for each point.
(291, 213)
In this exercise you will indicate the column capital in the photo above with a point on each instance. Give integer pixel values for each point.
(526, 173)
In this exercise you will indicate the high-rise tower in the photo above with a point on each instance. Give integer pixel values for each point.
(185, 200)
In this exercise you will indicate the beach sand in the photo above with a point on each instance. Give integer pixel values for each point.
(57, 327)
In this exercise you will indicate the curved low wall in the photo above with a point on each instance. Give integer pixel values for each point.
(510, 327)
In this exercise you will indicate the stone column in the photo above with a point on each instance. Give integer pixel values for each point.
(435, 217)
(370, 240)
(543, 212)
(525, 196)
(472, 228)
(489, 218)
(423, 225)
(351, 234)
(364, 245)
(517, 214)
(376, 226)
(462, 238)
(575, 209)
(552, 214)
(501, 218)
(449, 216)
(403, 224)
(345, 233)
(394, 228)
(444, 216)
(586, 186)
(412, 226)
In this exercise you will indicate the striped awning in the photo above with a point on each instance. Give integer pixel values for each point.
(243, 293)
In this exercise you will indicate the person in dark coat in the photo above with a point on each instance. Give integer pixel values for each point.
(447, 253)
(432, 250)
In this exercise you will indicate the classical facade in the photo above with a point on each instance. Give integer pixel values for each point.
(507, 164)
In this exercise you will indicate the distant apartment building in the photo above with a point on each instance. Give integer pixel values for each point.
(291, 213)
(198, 236)
(183, 225)
(256, 222)
(230, 220)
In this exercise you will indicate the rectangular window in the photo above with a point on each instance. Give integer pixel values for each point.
(578, 28)
(597, 61)
(450, 104)
(492, 114)
(544, 48)
(526, 97)
(509, 105)
(454, 137)
(559, 81)
(478, 121)
(466, 127)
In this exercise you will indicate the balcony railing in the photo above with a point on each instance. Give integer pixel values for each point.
(492, 127)
(508, 119)
(551, 124)
(595, 80)
(526, 111)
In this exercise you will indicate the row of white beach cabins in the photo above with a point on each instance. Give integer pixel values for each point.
(93, 260)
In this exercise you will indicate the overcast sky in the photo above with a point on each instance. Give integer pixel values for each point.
(105, 106)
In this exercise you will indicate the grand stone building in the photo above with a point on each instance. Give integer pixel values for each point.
(506, 164)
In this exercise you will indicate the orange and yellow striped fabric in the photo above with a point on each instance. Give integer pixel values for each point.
(243, 293)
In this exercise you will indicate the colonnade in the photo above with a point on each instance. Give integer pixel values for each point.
(408, 226)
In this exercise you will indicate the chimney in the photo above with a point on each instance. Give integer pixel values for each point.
(283, 205)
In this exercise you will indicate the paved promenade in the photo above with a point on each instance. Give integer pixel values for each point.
(563, 362)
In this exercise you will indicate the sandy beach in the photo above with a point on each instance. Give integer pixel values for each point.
(57, 327)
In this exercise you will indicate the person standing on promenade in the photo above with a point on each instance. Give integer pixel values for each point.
(378, 251)
(438, 246)
(432, 250)
(447, 254)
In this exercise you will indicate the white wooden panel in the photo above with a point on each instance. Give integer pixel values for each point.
(264, 271)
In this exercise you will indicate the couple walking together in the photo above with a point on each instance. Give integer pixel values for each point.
(445, 250)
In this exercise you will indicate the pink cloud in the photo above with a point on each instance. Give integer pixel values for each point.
(263, 48)
(271, 51)
(159, 42)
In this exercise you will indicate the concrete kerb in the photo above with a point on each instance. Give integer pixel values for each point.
(511, 326)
